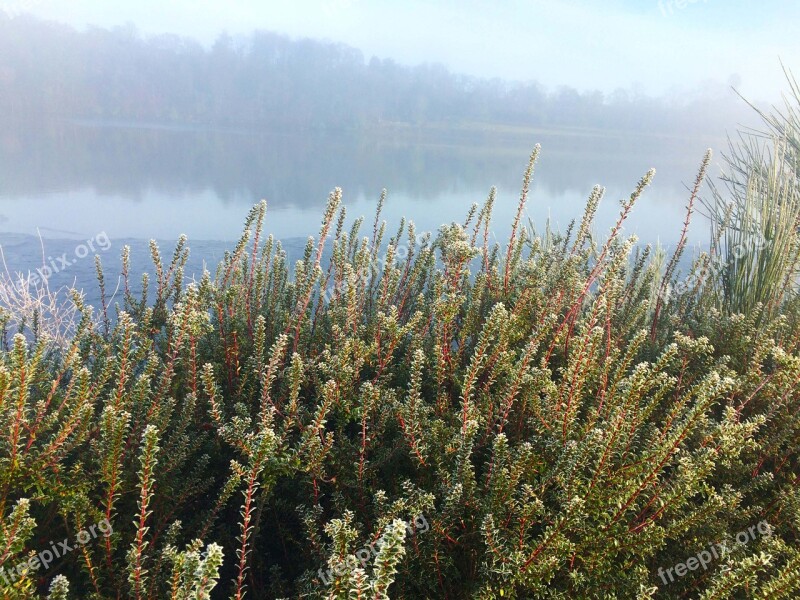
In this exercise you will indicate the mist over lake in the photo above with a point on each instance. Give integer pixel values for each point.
(153, 136)
(71, 178)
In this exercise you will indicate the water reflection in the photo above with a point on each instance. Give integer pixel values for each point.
(144, 181)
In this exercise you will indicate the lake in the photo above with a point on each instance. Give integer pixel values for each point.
(75, 181)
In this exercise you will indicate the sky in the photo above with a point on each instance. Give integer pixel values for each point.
(653, 46)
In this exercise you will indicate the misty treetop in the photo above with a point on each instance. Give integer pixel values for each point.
(270, 80)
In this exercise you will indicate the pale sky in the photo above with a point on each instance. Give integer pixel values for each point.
(655, 46)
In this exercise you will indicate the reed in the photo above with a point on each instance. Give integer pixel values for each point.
(756, 217)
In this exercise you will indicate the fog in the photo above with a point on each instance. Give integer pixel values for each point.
(269, 80)
(658, 46)
(139, 124)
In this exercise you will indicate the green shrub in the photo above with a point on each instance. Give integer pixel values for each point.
(417, 417)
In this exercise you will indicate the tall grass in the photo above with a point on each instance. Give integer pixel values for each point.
(757, 228)
(756, 217)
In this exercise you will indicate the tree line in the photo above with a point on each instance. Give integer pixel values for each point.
(270, 80)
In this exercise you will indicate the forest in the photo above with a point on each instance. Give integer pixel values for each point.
(272, 81)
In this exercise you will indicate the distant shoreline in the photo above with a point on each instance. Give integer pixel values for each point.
(500, 132)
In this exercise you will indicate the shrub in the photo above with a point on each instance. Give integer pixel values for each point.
(418, 417)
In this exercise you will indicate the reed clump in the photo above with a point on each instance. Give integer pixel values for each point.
(413, 416)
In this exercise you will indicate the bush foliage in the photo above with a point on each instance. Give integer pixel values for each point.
(423, 416)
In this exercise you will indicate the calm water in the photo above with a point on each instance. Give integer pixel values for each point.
(76, 181)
